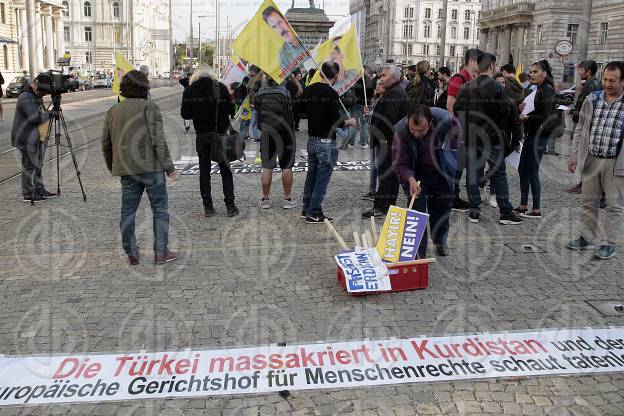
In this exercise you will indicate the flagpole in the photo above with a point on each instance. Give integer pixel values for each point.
(364, 84)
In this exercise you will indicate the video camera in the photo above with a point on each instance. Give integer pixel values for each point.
(55, 82)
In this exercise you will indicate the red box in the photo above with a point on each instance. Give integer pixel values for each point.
(402, 278)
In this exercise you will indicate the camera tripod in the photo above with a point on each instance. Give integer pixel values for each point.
(57, 122)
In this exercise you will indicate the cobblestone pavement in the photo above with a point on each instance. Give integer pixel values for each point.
(266, 277)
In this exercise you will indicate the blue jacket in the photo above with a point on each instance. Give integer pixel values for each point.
(448, 138)
(28, 117)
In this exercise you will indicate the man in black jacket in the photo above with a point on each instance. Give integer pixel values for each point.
(483, 110)
(211, 117)
(389, 110)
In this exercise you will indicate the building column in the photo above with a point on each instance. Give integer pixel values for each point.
(39, 38)
(49, 40)
(23, 38)
(506, 46)
(519, 52)
(60, 36)
(494, 41)
(483, 37)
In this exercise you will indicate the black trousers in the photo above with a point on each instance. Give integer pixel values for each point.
(31, 174)
(202, 145)
(388, 189)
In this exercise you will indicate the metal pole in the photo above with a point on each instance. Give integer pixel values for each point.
(191, 38)
(215, 51)
(199, 37)
(171, 46)
(584, 31)
(443, 34)
(32, 41)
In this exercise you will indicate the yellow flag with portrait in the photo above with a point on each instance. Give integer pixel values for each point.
(345, 51)
(122, 67)
(269, 42)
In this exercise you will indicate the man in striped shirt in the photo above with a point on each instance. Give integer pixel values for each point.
(598, 141)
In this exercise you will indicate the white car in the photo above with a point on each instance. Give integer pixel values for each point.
(101, 81)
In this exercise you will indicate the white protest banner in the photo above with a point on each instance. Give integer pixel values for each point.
(232, 73)
(364, 271)
(270, 369)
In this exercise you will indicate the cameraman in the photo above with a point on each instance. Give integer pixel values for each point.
(31, 119)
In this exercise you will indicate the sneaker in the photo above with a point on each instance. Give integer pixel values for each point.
(605, 252)
(49, 195)
(304, 215)
(372, 213)
(580, 243)
(575, 189)
(168, 257)
(351, 146)
(265, 203)
(365, 146)
(474, 218)
(510, 219)
(368, 197)
(134, 259)
(603, 203)
(532, 214)
(492, 201)
(289, 204)
(37, 199)
(320, 219)
(232, 211)
(442, 250)
(520, 211)
(459, 205)
(209, 212)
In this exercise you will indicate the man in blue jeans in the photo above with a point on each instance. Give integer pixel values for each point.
(483, 110)
(321, 102)
(135, 148)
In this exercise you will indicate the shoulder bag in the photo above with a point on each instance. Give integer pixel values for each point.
(227, 147)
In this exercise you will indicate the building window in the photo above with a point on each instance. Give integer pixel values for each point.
(439, 32)
(440, 14)
(572, 33)
(466, 33)
(117, 36)
(65, 9)
(539, 34)
(426, 50)
(5, 49)
(454, 14)
(604, 33)
(427, 31)
(66, 34)
(428, 13)
(408, 30)
(116, 10)
(452, 50)
(87, 9)
(3, 13)
(409, 12)
(88, 34)
(437, 50)
(407, 49)
(453, 32)
(88, 58)
(467, 15)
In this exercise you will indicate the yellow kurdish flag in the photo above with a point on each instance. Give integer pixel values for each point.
(518, 72)
(122, 67)
(343, 50)
(269, 42)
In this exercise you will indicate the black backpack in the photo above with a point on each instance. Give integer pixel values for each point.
(274, 110)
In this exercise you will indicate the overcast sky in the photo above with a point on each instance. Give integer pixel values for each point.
(239, 12)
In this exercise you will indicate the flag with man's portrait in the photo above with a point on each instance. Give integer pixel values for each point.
(269, 42)
(345, 51)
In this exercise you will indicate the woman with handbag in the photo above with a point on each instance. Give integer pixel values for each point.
(211, 118)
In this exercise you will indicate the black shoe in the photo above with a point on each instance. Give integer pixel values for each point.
(368, 197)
(473, 218)
(532, 215)
(37, 199)
(372, 213)
(459, 205)
(520, 211)
(303, 215)
(603, 203)
(209, 211)
(49, 195)
(319, 219)
(232, 211)
(510, 219)
(442, 250)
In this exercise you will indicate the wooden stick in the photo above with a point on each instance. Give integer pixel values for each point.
(369, 239)
(413, 198)
(356, 238)
(374, 228)
(365, 242)
(414, 262)
(336, 235)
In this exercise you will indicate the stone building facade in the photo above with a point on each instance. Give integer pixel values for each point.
(409, 31)
(525, 31)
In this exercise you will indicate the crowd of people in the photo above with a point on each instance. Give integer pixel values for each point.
(422, 129)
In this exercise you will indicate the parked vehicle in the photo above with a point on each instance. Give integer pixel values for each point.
(566, 97)
(14, 87)
(101, 81)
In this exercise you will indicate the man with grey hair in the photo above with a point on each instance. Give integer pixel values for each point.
(389, 110)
